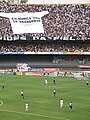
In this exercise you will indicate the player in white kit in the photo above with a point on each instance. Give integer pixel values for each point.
(61, 103)
(46, 82)
(26, 107)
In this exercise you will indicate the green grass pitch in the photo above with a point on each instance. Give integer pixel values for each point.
(43, 105)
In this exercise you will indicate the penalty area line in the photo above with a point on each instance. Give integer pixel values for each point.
(1, 103)
(38, 115)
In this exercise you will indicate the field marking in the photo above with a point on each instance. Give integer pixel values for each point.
(1, 103)
(48, 85)
(39, 115)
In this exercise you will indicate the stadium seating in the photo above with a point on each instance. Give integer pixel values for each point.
(64, 22)
(66, 29)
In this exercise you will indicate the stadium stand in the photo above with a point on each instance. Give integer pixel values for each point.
(64, 22)
(66, 29)
(11, 53)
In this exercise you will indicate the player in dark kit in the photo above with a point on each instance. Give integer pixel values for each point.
(87, 83)
(22, 94)
(70, 106)
(54, 82)
(54, 91)
(3, 86)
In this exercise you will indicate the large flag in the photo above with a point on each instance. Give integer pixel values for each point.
(26, 22)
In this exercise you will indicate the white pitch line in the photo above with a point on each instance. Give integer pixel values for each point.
(39, 115)
(48, 85)
(1, 103)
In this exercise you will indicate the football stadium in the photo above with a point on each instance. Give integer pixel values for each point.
(44, 60)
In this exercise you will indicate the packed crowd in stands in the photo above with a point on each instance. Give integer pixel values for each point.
(64, 22)
(45, 47)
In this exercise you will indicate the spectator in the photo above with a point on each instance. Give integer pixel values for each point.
(63, 21)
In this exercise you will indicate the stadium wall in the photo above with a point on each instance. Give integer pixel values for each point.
(10, 61)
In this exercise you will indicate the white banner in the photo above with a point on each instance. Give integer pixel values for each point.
(26, 22)
(57, 1)
(22, 67)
